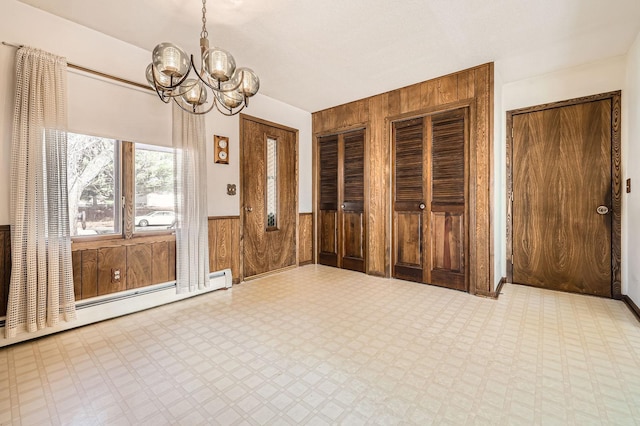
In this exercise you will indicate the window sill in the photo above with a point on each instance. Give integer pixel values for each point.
(118, 240)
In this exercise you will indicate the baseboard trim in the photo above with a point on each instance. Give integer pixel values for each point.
(502, 282)
(632, 306)
(101, 308)
(492, 294)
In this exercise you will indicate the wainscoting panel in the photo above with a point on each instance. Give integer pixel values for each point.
(224, 245)
(5, 267)
(141, 262)
(305, 237)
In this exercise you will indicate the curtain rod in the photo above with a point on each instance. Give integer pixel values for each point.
(94, 72)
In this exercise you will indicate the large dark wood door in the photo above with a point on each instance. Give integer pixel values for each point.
(562, 198)
(269, 193)
(341, 221)
(429, 219)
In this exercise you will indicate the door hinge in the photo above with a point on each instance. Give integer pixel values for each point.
(512, 259)
(511, 196)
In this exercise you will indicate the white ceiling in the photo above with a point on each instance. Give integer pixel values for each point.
(317, 54)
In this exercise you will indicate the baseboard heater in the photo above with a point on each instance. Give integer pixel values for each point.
(101, 308)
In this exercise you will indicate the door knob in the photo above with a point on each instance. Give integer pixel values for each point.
(602, 209)
(342, 206)
(422, 206)
(249, 209)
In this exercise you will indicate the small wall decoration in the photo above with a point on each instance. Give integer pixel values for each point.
(221, 149)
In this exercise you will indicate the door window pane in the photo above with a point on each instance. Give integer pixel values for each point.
(154, 184)
(272, 183)
(94, 185)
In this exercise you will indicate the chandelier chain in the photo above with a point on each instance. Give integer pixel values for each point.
(204, 33)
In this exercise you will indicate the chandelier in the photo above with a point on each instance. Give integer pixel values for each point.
(230, 87)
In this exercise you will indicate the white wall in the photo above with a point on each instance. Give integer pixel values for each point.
(589, 79)
(104, 108)
(630, 159)
(221, 204)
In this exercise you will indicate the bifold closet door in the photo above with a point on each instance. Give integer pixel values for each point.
(341, 218)
(351, 216)
(328, 201)
(429, 220)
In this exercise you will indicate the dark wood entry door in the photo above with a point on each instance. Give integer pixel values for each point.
(429, 190)
(562, 199)
(269, 194)
(341, 219)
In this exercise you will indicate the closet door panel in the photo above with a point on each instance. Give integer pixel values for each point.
(352, 204)
(409, 200)
(328, 201)
(447, 201)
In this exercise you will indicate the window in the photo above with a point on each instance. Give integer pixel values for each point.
(154, 196)
(94, 185)
(272, 184)
(99, 185)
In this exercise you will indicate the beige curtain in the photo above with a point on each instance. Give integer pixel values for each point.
(192, 243)
(41, 289)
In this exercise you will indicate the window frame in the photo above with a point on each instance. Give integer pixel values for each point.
(124, 159)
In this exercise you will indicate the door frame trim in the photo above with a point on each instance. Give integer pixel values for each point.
(245, 117)
(616, 180)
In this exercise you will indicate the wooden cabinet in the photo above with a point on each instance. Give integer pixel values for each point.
(341, 204)
(429, 199)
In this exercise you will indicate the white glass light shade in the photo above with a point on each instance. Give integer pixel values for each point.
(250, 82)
(162, 80)
(219, 64)
(194, 92)
(230, 99)
(170, 60)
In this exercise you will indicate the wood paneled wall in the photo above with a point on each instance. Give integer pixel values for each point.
(472, 88)
(142, 261)
(146, 260)
(224, 245)
(305, 238)
(5, 267)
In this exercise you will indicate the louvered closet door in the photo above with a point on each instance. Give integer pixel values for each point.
(328, 201)
(447, 201)
(429, 234)
(352, 205)
(341, 214)
(409, 199)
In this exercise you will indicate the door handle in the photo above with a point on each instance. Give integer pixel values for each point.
(342, 206)
(422, 206)
(602, 210)
(249, 209)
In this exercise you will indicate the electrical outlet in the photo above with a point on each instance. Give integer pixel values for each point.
(115, 275)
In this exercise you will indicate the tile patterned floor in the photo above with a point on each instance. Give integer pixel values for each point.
(318, 345)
